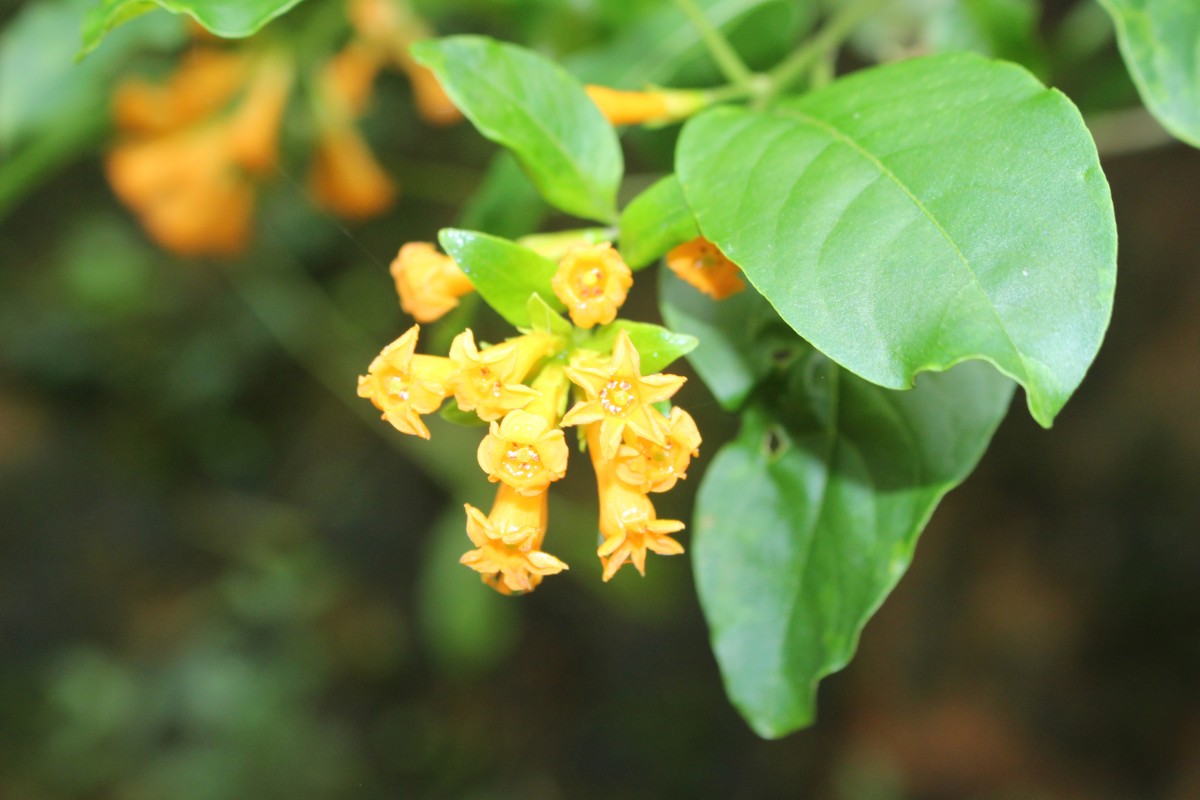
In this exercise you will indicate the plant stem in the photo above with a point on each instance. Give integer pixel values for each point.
(830, 37)
(730, 63)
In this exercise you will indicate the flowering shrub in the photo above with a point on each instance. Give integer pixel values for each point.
(862, 268)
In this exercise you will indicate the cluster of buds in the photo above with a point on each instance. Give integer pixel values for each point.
(529, 388)
(192, 151)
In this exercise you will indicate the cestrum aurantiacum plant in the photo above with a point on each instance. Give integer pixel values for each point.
(530, 387)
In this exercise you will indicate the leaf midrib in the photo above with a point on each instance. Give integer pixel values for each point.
(844, 138)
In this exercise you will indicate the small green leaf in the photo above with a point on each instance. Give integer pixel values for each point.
(232, 19)
(1160, 41)
(656, 345)
(654, 222)
(741, 339)
(533, 107)
(912, 216)
(467, 419)
(544, 319)
(809, 518)
(504, 273)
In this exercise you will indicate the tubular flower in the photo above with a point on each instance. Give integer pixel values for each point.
(345, 177)
(489, 381)
(651, 467)
(404, 385)
(704, 266)
(429, 283)
(187, 194)
(508, 542)
(592, 282)
(392, 28)
(524, 451)
(207, 79)
(620, 398)
(628, 522)
(632, 108)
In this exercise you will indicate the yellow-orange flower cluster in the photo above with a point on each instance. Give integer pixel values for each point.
(522, 387)
(191, 151)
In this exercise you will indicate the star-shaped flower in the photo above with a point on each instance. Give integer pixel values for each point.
(631, 528)
(619, 397)
(404, 385)
(524, 451)
(489, 380)
(508, 542)
(652, 467)
(592, 282)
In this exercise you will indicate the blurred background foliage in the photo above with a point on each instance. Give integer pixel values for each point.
(217, 582)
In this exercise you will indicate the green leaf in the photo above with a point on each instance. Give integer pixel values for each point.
(654, 222)
(506, 203)
(913, 216)
(232, 19)
(664, 48)
(741, 339)
(534, 108)
(656, 345)
(809, 518)
(504, 273)
(1160, 41)
(467, 419)
(42, 91)
(544, 319)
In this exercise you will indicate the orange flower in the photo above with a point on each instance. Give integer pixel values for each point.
(508, 542)
(429, 283)
(631, 108)
(347, 78)
(620, 398)
(404, 385)
(703, 265)
(524, 451)
(592, 282)
(206, 80)
(392, 28)
(189, 196)
(254, 127)
(628, 522)
(490, 381)
(651, 467)
(433, 104)
(345, 177)
(187, 179)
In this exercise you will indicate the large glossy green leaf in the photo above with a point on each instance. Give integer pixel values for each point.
(654, 222)
(1160, 41)
(740, 339)
(504, 273)
(229, 18)
(809, 518)
(534, 108)
(913, 216)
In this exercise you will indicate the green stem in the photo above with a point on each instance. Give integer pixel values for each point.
(730, 63)
(795, 66)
